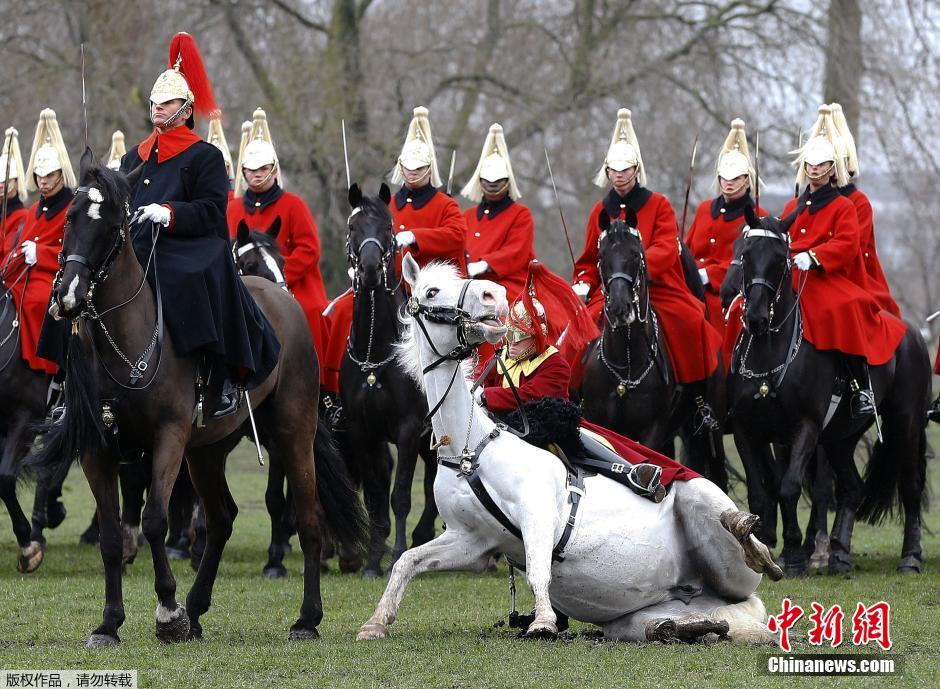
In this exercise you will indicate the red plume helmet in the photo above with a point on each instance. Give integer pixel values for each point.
(549, 309)
(184, 53)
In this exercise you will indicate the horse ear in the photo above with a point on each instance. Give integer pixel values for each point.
(244, 233)
(750, 216)
(355, 196)
(87, 162)
(134, 176)
(787, 221)
(631, 217)
(603, 220)
(410, 269)
(275, 228)
(385, 193)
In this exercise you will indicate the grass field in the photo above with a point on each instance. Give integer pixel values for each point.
(449, 633)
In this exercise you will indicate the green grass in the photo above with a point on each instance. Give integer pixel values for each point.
(448, 634)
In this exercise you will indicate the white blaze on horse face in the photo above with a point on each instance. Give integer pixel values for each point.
(94, 211)
(69, 301)
(273, 267)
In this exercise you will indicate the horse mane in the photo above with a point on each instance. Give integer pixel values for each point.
(113, 185)
(374, 207)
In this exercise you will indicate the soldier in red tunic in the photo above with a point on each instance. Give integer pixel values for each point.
(500, 231)
(259, 201)
(13, 187)
(719, 221)
(838, 312)
(426, 221)
(876, 283)
(693, 343)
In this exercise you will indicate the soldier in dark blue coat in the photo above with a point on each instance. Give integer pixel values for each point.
(180, 198)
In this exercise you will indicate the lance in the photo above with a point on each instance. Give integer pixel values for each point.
(450, 176)
(796, 185)
(934, 316)
(6, 187)
(688, 188)
(757, 170)
(346, 155)
(564, 225)
(84, 108)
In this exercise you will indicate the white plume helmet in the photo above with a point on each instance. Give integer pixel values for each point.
(418, 149)
(257, 150)
(11, 152)
(842, 128)
(118, 149)
(824, 145)
(216, 137)
(48, 154)
(494, 165)
(623, 152)
(734, 159)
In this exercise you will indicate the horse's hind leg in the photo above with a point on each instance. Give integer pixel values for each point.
(276, 503)
(48, 510)
(30, 552)
(849, 492)
(816, 541)
(172, 623)
(912, 486)
(134, 480)
(450, 551)
(207, 468)
(102, 475)
(409, 440)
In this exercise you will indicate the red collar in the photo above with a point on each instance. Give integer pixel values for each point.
(170, 144)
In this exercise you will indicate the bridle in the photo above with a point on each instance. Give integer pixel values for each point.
(635, 280)
(269, 261)
(776, 290)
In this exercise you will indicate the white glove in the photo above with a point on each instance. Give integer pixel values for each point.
(581, 289)
(159, 214)
(702, 273)
(405, 238)
(29, 252)
(477, 268)
(803, 261)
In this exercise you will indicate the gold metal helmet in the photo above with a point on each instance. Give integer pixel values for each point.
(520, 325)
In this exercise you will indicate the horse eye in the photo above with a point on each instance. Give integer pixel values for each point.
(432, 292)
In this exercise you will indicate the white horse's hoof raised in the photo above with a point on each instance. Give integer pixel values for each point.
(542, 630)
(372, 630)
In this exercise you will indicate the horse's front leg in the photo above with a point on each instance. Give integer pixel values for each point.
(171, 619)
(408, 442)
(792, 558)
(452, 550)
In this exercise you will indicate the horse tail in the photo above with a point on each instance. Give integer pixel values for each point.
(80, 429)
(890, 463)
(344, 514)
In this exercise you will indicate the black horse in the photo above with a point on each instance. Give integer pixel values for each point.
(101, 275)
(782, 392)
(381, 402)
(628, 383)
(23, 397)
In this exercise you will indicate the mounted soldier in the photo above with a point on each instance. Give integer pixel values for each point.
(260, 202)
(838, 311)
(13, 188)
(180, 201)
(693, 344)
(427, 223)
(877, 284)
(719, 221)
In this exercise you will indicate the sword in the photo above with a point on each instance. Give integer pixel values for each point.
(450, 176)
(6, 188)
(757, 171)
(346, 155)
(796, 185)
(564, 225)
(934, 316)
(84, 108)
(254, 429)
(688, 188)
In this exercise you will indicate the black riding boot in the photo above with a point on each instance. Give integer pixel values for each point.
(703, 420)
(933, 414)
(863, 399)
(55, 398)
(222, 395)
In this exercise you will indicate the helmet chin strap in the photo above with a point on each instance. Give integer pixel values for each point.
(169, 121)
(405, 170)
(734, 191)
(266, 179)
(821, 175)
(499, 191)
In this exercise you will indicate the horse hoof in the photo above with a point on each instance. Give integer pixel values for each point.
(274, 572)
(662, 630)
(372, 630)
(303, 634)
(910, 564)
(177, 554)
(349, 565)
(55, 514)
(195, 631)
(371, 573)
(546, 631)
(172, 625)
(29, 558)
(102, 641)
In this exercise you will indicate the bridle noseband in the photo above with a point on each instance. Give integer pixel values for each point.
(269, 261)
(455, 316)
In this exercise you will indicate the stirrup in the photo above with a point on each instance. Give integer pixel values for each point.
(56, 414)
(703, 421)
(862, 404)
(644, 480)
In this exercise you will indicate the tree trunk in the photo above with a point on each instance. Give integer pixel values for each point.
(844, 68)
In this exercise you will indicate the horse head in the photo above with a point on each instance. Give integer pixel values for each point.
(765, 268)
(453, 315)
(257, 253)
(622, 269)
(95, 233)
(370, 242)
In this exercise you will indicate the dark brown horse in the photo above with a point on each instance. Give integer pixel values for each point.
(105, 414)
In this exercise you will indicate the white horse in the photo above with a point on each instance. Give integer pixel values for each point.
(642, 571)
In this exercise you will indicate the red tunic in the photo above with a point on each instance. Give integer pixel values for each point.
(936, 364)
(838, 312)
(32, 285)
(502, 234)
(717, 224)
(440, 232)
(877, 284)
(693, 343)
(16, 215)
(299, 243)
(548, 375)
